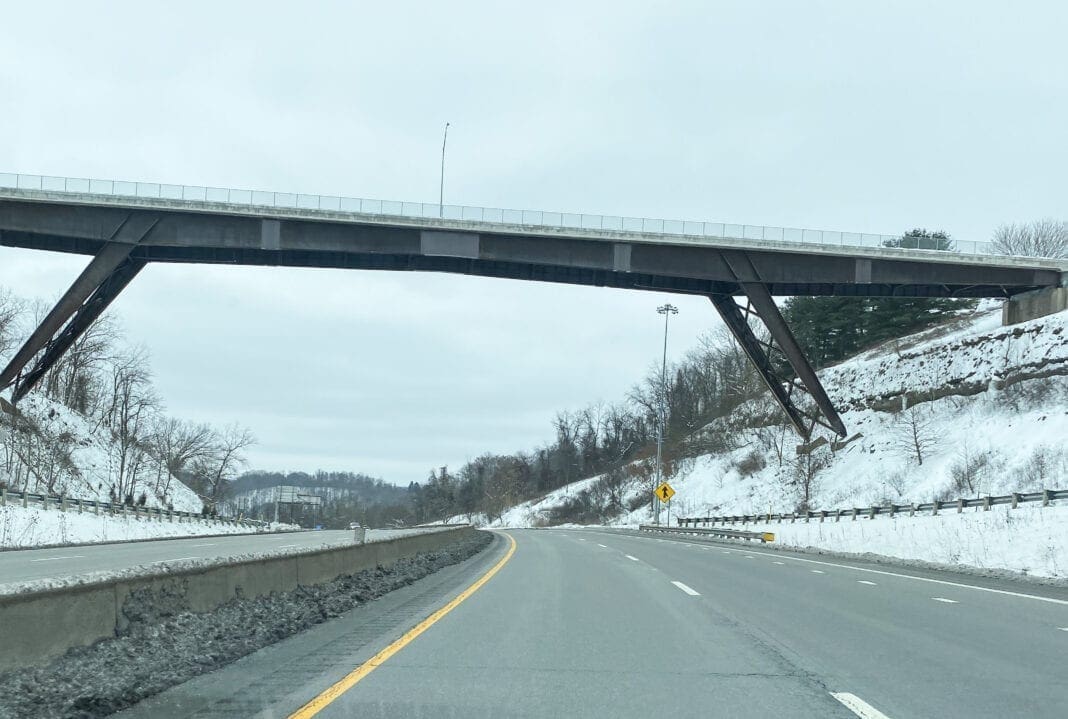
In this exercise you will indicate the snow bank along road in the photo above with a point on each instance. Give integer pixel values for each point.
(32, 564)
(598, 624)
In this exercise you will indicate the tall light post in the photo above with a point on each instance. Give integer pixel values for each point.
(667, 310)
(441, 187)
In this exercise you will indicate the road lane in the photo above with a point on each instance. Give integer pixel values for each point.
(23, 565)
(899, 644)
(570, 628)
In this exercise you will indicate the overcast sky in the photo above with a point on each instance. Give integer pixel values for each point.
(859, 116)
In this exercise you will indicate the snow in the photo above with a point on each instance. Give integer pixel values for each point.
(1031, 539)
(990, 395)
(34, 527)
(92, 458)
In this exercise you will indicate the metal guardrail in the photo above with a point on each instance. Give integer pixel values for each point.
(1046, 496)
(427, 210)
(64, 504)
(764, 537)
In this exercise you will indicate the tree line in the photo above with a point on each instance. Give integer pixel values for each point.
(108, 381)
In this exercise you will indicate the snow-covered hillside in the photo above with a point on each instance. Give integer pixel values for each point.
(35, 527)
(81, 459)
(987, 405)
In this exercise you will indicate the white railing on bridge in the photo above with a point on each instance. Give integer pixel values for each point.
(530, 218)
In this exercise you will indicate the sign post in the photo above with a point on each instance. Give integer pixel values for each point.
(664, 493)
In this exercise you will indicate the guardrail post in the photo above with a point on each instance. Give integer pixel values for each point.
(986, 503)
(960, 505)
(893, 507)
(96, 507)
(1046, 497)
(80, 507)
(3, 496)
(44, 502)
(935, 507)
(793, 517)
(24, 500)
(62, 503)
(912, 509)
(871, 512)
(124, 511)
(1015, 499)
(808, 515)
(823, 513)
(855, 513)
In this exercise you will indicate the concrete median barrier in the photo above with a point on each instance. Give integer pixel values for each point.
(40, 625)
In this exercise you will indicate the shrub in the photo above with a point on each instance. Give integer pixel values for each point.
(750, 464)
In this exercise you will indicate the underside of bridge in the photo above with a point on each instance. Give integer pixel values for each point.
(741, 282)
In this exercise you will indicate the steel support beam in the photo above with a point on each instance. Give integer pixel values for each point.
(782, 345)
(99, 283)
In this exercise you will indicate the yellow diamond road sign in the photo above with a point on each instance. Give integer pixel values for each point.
(665, 492)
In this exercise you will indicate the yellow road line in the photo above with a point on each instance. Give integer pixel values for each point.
(350, 680)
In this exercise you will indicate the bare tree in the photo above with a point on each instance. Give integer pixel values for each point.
(130, 413)
(805, 468)
(177, 445)
(11, 309)
(1042, 238)
(222, 462)
(914, 433)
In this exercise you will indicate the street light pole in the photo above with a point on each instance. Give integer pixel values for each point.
(441, 188)
(667, 310)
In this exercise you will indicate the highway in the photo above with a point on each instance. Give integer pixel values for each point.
(594, 623)
(23, 565)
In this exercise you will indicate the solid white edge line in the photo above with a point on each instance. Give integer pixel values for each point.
(635, 559)
(177, 559)
(686, 589)
(945, 582)
(858, 706)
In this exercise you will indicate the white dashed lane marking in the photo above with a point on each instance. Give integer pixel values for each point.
(865, 581)
(818, 571)
(779, 563)
(858, 706)
(686, 589)
(52, 559)
(176, 559)
(944, 600)
(601, 545)
(633, 559)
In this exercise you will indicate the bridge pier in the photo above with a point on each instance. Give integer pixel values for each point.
(1034, 304)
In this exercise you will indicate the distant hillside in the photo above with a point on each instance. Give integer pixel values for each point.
(965, 409)
(347, 496)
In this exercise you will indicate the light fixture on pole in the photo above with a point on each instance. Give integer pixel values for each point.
(667, 310)
(441, 187)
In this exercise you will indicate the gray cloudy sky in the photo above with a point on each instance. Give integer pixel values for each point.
(873, 116)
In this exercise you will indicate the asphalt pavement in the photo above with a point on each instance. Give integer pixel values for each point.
(30, 564)
(590, 623)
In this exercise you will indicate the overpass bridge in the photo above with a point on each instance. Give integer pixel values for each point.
(125, 225)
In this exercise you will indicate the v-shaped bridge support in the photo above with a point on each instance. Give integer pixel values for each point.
(101, 282)
(771, 358)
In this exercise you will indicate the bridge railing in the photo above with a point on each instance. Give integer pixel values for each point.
(426, 210)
